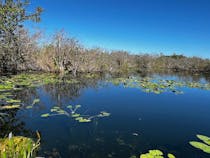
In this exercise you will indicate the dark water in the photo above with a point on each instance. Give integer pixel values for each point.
(138, 122)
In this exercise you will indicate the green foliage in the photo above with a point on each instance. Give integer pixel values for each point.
(157, 86)
(35, 101)
(104, 114)
(45, 115)
(7, 107)
(81, 119)
(155, 154)
(204, 146)
(171, 156)
(9, 85)
(18, 147)
(13, 14)
(73, 113)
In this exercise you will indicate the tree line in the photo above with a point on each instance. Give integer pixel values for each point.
(22, 51)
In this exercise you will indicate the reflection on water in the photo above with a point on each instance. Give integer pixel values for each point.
(158, 119)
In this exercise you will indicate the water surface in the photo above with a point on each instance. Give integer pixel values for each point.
(139, 121)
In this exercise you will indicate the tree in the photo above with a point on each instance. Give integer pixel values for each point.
(12, 16)
(68, 53)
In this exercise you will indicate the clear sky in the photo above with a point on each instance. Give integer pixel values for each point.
(138, 26)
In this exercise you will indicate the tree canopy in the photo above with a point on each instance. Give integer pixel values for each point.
(13, 14)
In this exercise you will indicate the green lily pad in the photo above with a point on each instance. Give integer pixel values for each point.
(205, 139)
(75, 115)
(171, 156)
(204, 147)
(69, 107)
(156, 154)
(35, 101)
(10, 107)
(78, 106)
(13, 101)
(45, 115)
(29, 107)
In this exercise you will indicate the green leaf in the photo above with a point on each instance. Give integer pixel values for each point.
(201, 146)
(45, 115)
(69, 107)
(35, 101)
(155, 152)
(205, 139)
(82, 120)
(171, 155)
(104, 114)
(10, 107)
(78, 106)
(75, 115)
(13, 101)
(29, 107)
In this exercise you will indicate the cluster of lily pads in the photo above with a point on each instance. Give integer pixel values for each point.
(156, 154)
(73, 113)
(157, 86)
(204, 146)
(10, 85)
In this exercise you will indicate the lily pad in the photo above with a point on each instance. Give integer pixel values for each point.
(156, 154)
(171, 156)
(10, 107)
(45, 115)
(75, 115)
(205, 148)
(204, 139)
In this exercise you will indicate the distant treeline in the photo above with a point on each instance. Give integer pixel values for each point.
(22, 51)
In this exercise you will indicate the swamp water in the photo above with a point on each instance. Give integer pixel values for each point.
(107, 117)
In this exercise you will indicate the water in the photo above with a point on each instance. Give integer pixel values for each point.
(138, 122)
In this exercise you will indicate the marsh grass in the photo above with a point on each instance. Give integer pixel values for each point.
(18, 147)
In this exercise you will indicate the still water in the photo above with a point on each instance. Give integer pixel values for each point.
(138, 121)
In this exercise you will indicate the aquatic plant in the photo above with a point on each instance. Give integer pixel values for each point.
(35, 101)
(73, 109)
(157, 86)
(204, 145)
(72, 113)
(18, 146)
(156, 154)
(9, 85)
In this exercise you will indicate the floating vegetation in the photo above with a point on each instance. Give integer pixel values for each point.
(204, 145)
(82, 119)
(35, 101)
(156, 154)
(18, 146)
(10, 85)
(6, 107)
(72, 113)
(157, 86)
(13, 101)
(45, 115)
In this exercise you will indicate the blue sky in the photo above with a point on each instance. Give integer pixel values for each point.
(138, 26)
